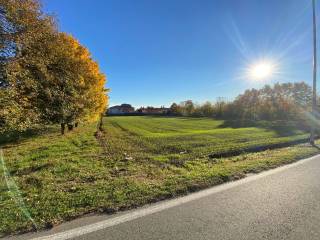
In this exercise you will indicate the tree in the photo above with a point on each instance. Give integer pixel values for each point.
(219, 107)
(281, 101)
(24, 31)
(207, 109)
(76, 85)
(45, 76)
(278, 102)
(187, 108)
(175, 109)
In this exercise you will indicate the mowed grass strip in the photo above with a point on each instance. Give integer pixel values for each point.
(137, 160)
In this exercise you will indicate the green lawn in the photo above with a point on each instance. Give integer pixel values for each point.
(136, 161)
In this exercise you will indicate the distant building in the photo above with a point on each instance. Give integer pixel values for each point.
(153, 110)
(121, 109)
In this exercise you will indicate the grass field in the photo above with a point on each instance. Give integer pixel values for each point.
(137, 160)
(167, 138)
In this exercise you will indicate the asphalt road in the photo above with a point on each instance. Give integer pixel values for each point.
(279, 204)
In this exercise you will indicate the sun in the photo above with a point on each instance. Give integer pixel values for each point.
(261, 70)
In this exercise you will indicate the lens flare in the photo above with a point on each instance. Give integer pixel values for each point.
(14, 190)
(261, 70)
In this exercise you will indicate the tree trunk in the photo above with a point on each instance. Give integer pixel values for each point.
(101, 122)
(76, 124)
(70, 126)
(62, 128)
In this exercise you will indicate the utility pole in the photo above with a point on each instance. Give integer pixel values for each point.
(314, 87)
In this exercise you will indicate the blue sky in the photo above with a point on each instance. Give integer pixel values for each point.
(155, 52)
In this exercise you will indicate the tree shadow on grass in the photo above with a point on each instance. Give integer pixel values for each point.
(282, 127)
(17, 136)
(315, 146)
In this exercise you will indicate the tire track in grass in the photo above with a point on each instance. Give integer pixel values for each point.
(14, 191)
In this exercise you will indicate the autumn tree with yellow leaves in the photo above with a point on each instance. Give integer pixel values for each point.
(24, 33)
(45, 76)
(77, 90)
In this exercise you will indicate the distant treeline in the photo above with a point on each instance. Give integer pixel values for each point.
(286, 101)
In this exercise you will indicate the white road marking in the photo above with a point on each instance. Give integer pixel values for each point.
(79, 231)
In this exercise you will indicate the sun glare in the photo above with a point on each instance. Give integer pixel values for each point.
(261, 70)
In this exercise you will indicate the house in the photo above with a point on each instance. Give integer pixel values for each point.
(121, 109)
(153, 110)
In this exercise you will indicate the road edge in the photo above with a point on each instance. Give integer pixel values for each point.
(166, 204)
